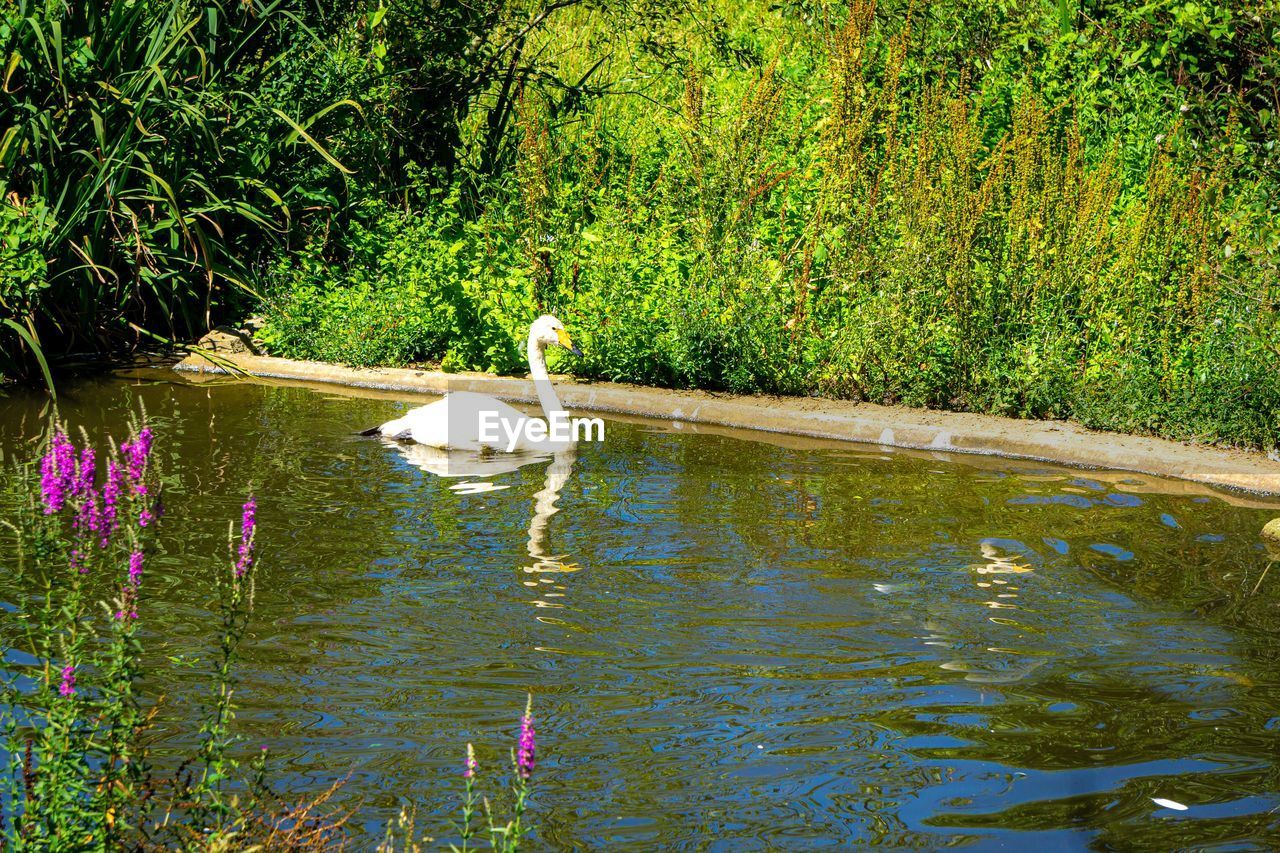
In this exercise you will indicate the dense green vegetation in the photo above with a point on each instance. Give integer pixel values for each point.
(1046, 209)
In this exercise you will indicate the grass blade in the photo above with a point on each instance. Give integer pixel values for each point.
(39, 354)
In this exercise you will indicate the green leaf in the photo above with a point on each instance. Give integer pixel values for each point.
(298, 130)
(38, 353)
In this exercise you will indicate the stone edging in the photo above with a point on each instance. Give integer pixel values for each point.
(954, 432)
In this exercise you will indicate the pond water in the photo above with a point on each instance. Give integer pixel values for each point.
(732, 641)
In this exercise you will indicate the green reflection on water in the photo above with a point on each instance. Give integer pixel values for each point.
(760, 642)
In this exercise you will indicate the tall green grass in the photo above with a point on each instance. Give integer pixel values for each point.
(1009, 211)
(139, 168)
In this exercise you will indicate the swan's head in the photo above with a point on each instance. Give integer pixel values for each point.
(548, 331)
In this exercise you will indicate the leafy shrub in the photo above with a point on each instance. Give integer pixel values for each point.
(25, 230)
(406, 291)
(24, 271)
(1038, 210)
(139, 136)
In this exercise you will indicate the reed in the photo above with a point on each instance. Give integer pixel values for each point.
(138, 169)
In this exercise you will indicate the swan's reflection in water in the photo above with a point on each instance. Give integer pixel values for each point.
(474, 467)
(464, 463)
(998, 563)
(544, 506)
(992, 648)
(546, 567)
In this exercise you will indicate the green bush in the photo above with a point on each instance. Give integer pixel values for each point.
(25, 231)
(176, 143)
(134, 133)
(1032, 209)
(405, 292)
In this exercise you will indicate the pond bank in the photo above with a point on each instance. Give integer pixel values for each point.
(868, 423)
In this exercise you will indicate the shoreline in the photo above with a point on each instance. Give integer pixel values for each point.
(1060, 442)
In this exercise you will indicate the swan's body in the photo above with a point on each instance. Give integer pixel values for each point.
(443, 423)
(455, 422)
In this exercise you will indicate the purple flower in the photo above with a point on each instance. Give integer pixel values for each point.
(135, 569)
(128, 602)
(57, 473)
(248, 521)
(527, 747)
(136, 453)
(111, 491)
(68, 687)
(85, 472)
(145, 516)
(469, 772)
(88, 519)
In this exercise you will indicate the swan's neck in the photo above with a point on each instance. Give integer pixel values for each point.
(541, 381)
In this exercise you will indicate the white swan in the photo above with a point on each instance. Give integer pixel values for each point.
(456, 422)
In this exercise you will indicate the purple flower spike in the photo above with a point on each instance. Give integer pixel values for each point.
(128, 602)
(469, 772)
(248, 521)
(85, 473)
(88, 518)
(57, 473)
(135, 569)
(68, 686)
(135, 454)
(527, 748)
(111, 491)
